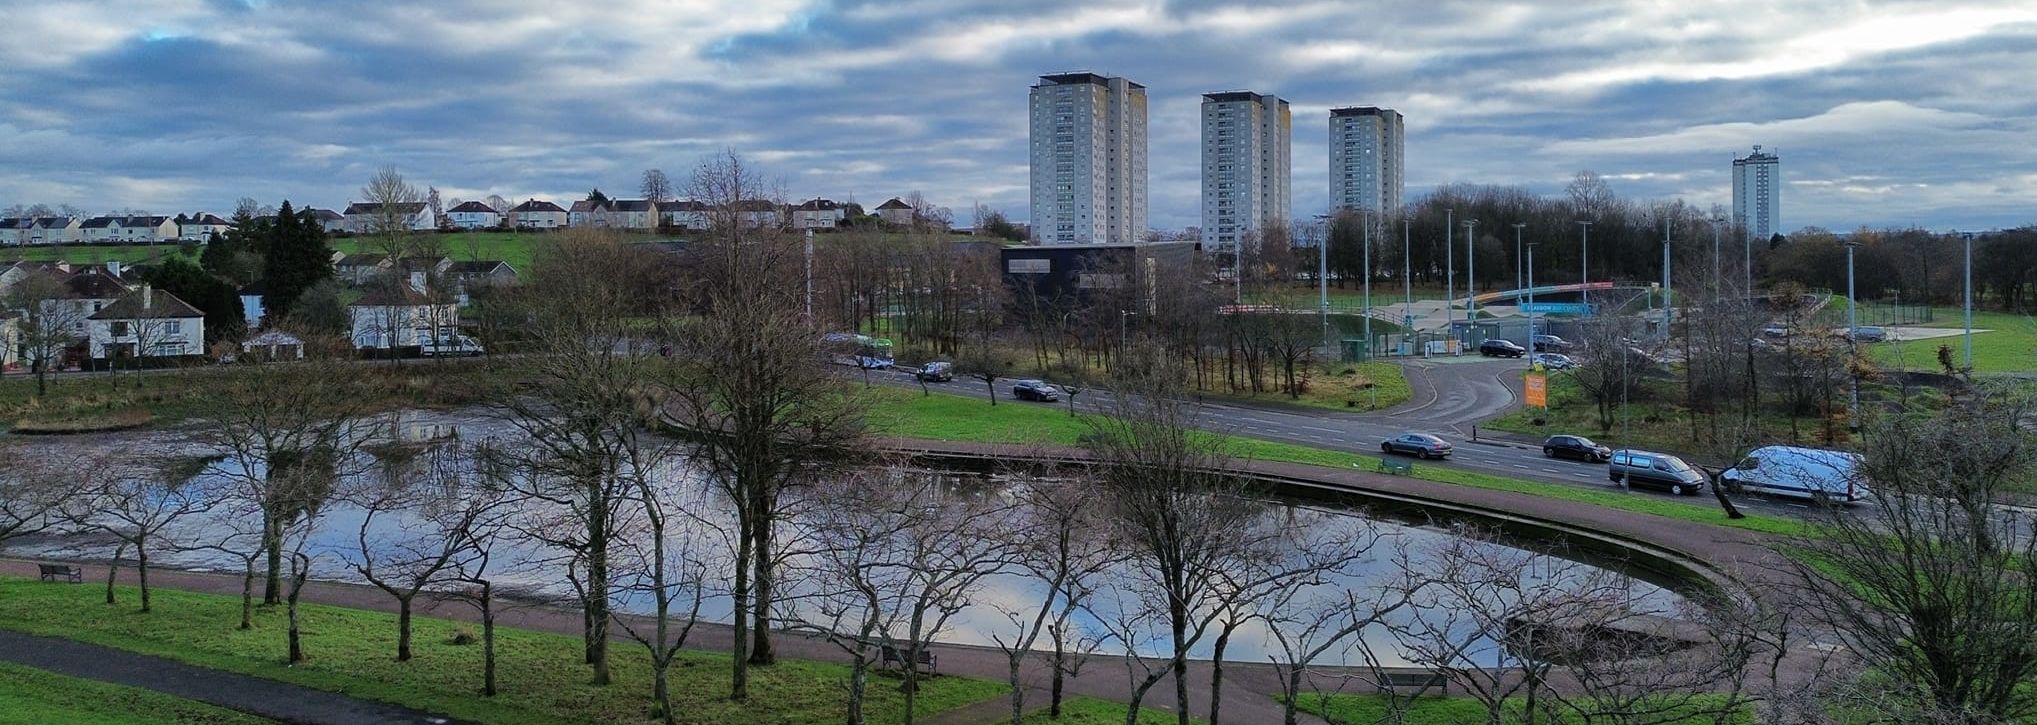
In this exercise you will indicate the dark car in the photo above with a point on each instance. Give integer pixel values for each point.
(936, 372)
(1035, 390)
(1646, 469)
(1500, 348)
(1421, 445)
(1578, 447)
(1551, 343)
(1866, 333)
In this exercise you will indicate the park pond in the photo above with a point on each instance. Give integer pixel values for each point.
(1489, 576)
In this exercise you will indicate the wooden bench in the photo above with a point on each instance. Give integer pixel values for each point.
(1396, 467)
(1423, 680)
(927, 661)
(52, 572)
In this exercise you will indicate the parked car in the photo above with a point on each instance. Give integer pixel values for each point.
(936, 372)
(1554, 361)
(1420, 445)
(1578, 447)
(1035, 390)
(1775, 331)
(1647, 469)
(1800, 472)
(1866, 333)
(456, 345)
(1551, 343)
(1500, 348)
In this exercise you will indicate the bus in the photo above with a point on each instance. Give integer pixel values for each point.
(861, 351)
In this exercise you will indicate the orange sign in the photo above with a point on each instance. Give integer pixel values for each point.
(1537, 390)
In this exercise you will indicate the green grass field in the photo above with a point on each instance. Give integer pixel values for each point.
(93, 254)
(2008, 346)
(905, 413)
(1093, 711)
(542, 680)
(29, 696)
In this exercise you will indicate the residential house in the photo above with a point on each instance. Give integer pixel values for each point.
(359, 268)
(468, 276)
(254, 305)
(688, 215)
(588, 213)
(758, 213)
(273, 345)
(14, 230)
(363, 217)
(896, 211)
(534, 214)
(332, 221)
(396, 318)
(201, 226)
(56, 230)
(640, 214)
(818, 214)
(146, 323)
(129, 229)
(10, 332)
(474, 215)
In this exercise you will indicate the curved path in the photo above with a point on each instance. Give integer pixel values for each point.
(1722, 556)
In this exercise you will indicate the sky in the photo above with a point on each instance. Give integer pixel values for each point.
(1893, 113)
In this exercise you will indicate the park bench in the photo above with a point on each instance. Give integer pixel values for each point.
(52, 572)
(927, 662)
(1396, 467)
(1421, 680)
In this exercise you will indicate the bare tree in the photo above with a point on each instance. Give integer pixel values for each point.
(296, 537)
(669, 560)
(1314, 613)
(655, 185)
(1064, 545)
(415, 525)
(240, 534)
(52, 323)
(1929, 587)
(395, 200)
(141, 506)
(1609, 366)
(986, 362)
(766, 411)
(36, 485)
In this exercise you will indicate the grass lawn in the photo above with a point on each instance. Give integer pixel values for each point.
(178, 395)
(1092, 711)
(93, 253)
(1369, 709)
(29, 696)
(2008, 346)
(905, 413)
(1371, 385)
(542, 680)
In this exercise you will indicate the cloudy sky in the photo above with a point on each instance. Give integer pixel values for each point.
(1884, 113)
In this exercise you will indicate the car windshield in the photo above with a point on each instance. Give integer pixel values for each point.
(1586, 442)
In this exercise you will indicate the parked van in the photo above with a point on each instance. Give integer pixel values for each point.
(455, 346)
(1646, 469)
(1801, 473)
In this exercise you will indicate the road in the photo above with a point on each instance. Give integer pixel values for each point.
(1457, 392)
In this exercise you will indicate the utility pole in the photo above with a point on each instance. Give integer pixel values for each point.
(1367, 264)
(809, 276)
(1969, 299)
(1531, 303)
(1322, 236)
(1584, 269)
(1407, 282)
(1667, 314)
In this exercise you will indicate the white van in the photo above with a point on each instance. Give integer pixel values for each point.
(452, 346)
(1801, 473)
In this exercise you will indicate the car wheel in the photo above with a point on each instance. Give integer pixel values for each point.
(1549, 453)
(1676, 489)
(1386, 448)
(1422, 454)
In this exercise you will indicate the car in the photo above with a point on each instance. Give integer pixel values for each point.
(936, 372)
(1775, 331)
(1035, 390)
(455, 345)
(1866, 333)
(1648, 469)
(1419, 445)
(1578, 447)
(1551, 343)
(1810, 473)
(1554, 361)
(1500, 348)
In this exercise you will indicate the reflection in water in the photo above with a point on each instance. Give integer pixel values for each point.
(1509, 577)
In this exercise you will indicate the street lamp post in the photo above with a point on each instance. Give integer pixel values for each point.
(1969, 299)
(1667, 315)
(1367, 264)
(1852, 340)
(1517, 254)
(1584, 267)
(1471, 271)
(1449, 271)
(1322, 236)
(1407, 281)
(809, 276)
(1531, 303)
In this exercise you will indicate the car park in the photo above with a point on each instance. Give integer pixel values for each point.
(1419, 445)
(936, 372)
(1578, 447)
(1554, 361)
(1811, 473)
(1551, 343)
(1035, 390)
(1648, 469)
(1500, 348)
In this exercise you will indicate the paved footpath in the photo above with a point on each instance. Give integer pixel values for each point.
(253, 695)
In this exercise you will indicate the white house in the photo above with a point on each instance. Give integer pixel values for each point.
(758, 213)
(588, 213)
(818, 214)
(534, 214)
(331, 220)
(201, 226)
(895, 211)
(146, 323)
(362, 217)
(474, 215)
(128, 229)
(359, 268)
(56, 230)
(687, 214)
(393, 317)
(273, 345)
(633, 214)
(14, 230)
(10, 333)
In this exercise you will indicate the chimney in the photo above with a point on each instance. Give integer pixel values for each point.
(113, 268)
(417, 281)
(148, 297)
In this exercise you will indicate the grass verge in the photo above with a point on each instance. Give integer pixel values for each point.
(352, 651)
(1358, 386)
(29, 696)
(907, 414)
(1369, 709)
(171, 396)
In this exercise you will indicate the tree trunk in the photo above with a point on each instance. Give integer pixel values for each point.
(247, 595)
(1059, 678)
(403, 629)
(597, 602)
(1216, 674)
(1178, 620)
(141, 571)
(661, 688)
(761, 652)
(272, 547)
(859, 678)
(113, 572)
(1287, 712)
(487, 639)
(296, 635)
(739, 683)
